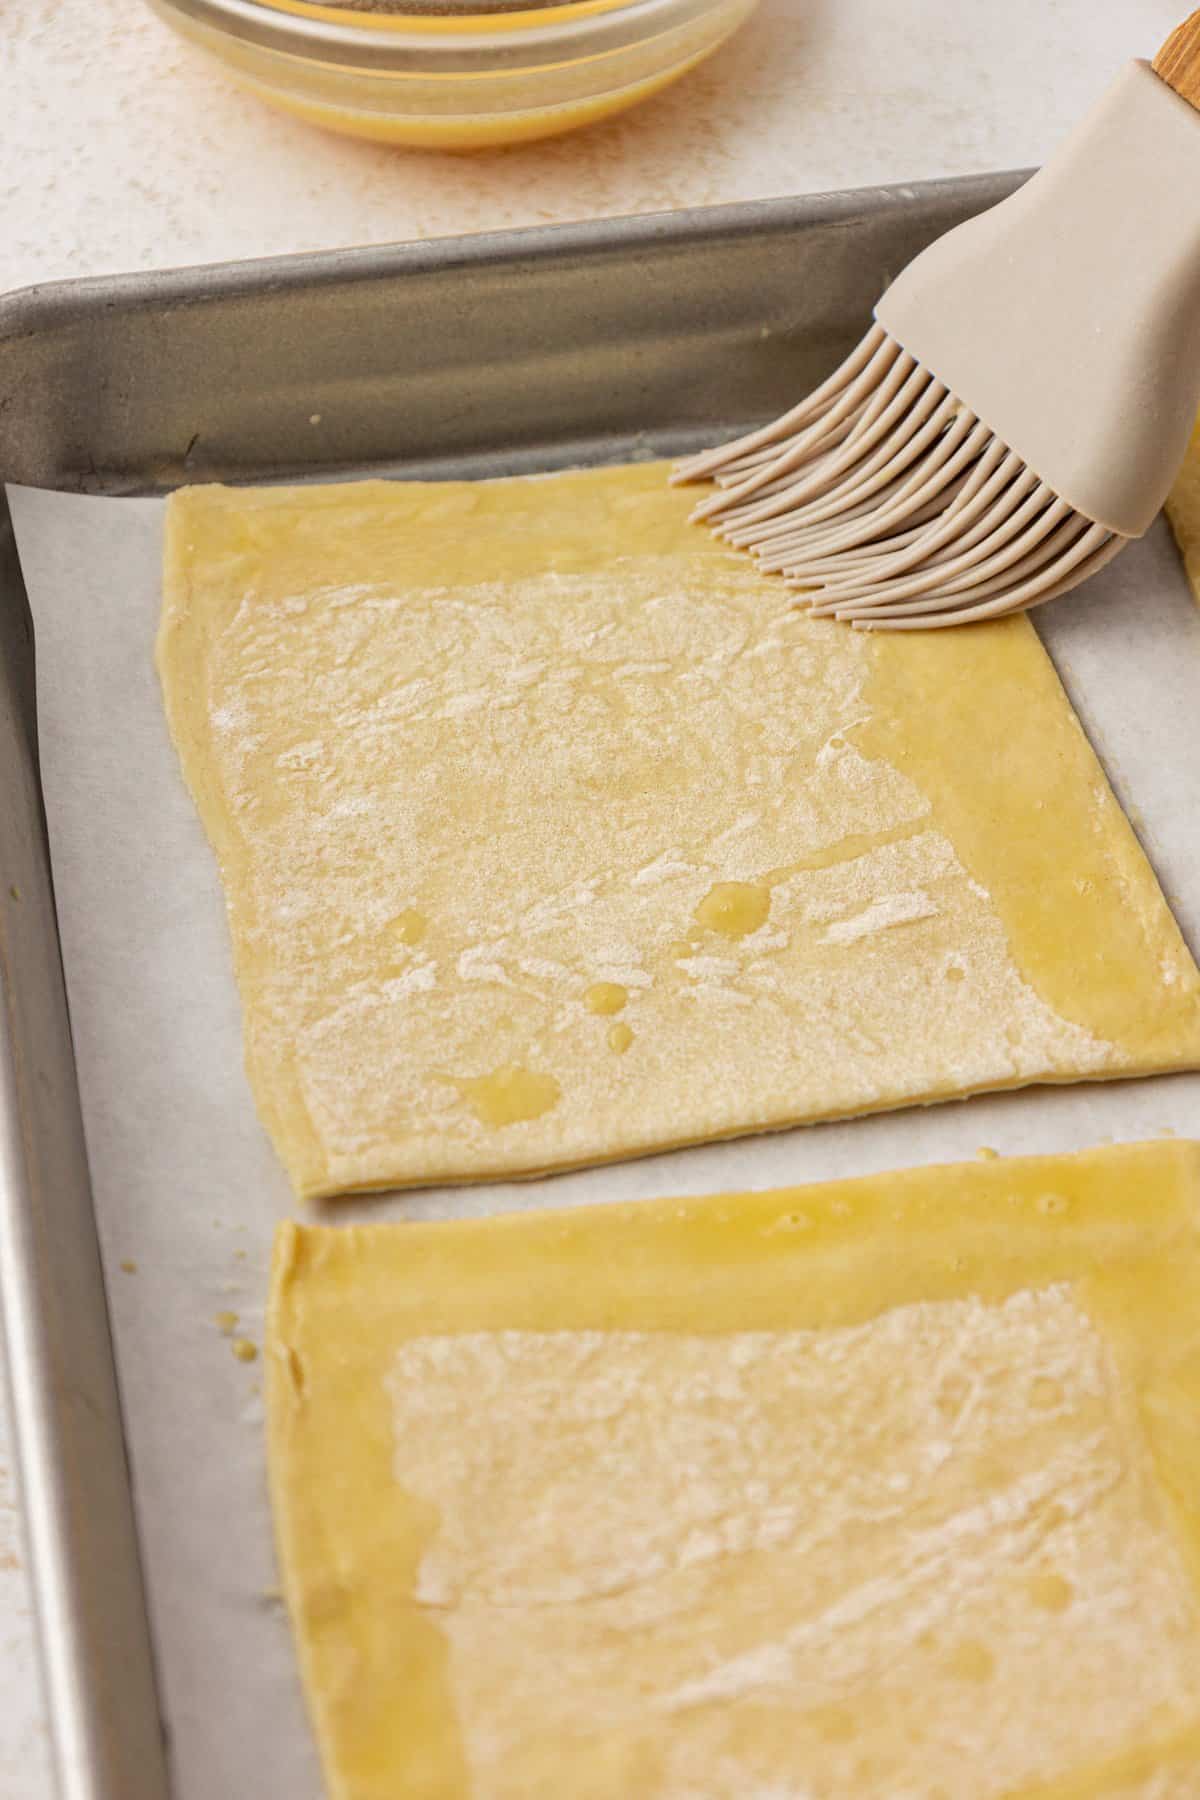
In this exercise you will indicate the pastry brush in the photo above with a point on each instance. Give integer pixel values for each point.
(1023, 399)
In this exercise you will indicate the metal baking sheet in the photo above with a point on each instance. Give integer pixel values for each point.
(529, 351)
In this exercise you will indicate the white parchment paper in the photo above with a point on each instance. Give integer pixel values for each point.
(187, 1188)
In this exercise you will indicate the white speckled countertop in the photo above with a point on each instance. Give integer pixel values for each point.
(125, 150)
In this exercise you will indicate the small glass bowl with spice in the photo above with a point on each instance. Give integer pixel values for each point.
(457, 74)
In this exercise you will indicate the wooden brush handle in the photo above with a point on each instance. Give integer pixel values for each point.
(1178, 62)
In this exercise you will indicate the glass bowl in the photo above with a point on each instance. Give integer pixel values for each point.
(452, 74)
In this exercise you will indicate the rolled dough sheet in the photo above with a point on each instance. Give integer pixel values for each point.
(1183, 511)
(874, 1488)
(550, 833)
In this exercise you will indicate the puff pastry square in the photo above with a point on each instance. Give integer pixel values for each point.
(886, 1487)
(551, 833)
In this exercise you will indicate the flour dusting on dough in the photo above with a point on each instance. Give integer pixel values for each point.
(801, 1547)
(881, 915)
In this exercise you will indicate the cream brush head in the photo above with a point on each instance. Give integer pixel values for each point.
(1020, 407)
